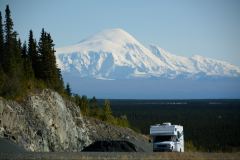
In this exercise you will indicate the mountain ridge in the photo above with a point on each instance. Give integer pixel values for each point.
(115, 54)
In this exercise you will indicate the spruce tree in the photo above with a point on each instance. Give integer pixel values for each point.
(107, 111)
(12, 62)
(1, 40)
(60, 85)
(84, 106)
(33, 55)
(2, 74)
(49, 71)
(27, 65)
(12, 51)
(68, 90)
(94, 107)
(8, 54)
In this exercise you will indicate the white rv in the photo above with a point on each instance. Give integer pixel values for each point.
(167, 137)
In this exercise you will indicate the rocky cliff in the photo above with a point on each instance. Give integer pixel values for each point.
(46, 122)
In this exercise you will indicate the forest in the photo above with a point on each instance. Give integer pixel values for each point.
(209, 125)
(27, 66)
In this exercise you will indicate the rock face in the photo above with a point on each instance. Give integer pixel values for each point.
(44, 122)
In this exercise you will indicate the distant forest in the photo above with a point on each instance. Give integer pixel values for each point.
(209, 125)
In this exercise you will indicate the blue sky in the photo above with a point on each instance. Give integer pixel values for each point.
(187, 27)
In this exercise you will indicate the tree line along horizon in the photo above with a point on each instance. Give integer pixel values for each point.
(27, 67)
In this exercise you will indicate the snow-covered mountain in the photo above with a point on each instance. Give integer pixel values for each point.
(115, 54)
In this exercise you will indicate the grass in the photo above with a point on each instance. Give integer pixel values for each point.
(124, 156)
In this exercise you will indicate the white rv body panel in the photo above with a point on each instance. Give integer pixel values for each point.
(167, 137)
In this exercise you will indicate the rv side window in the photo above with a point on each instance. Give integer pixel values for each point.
(162, 138)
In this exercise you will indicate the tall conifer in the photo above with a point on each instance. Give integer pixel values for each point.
(12, 61)
(68, 90)
(49, 71)
(8, 54)
(2, 74)
(33, 55)
(27, 65)
(1, 41)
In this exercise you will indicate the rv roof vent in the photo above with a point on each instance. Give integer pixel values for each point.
(167, 123)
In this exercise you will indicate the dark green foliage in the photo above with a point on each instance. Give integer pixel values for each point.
(1, 40)
(12, 64)
(49, 71)
(95, 112)
(68, 90)
(33, 55)
(84, 105)
(92, 108)
(107, 111)
(8, 54)
(2, 74)
(24, 68)
(48, 62)
(77, 99)
(27, 65)
(207, 126)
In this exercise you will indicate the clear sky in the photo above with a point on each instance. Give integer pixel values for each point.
(183, 27)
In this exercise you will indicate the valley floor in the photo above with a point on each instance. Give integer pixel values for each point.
(123, 156)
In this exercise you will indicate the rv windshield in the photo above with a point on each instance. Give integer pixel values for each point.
(162, 138)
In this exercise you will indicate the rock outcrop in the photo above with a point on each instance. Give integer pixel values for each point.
(44, 122)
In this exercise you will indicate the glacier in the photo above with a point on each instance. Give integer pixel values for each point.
(115, 55)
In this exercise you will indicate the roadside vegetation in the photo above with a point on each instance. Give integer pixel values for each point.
(91, 108)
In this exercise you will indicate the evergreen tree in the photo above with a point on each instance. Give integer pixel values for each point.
(27, 65)
(12, 50)
(2, 74)
(49, 71)
(94, 107)
(84, 105)
(33, 55)
(8, 54)
(107, 111)
(68, 90)
(19, 66)
(1, 41)
(11, 59)
(77, 99)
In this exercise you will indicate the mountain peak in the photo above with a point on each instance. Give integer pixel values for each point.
(115, 54)
(115, 35)
(108, 40)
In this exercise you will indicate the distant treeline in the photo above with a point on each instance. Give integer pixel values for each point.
(208, 125)
(92, 108)
(26, 66)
